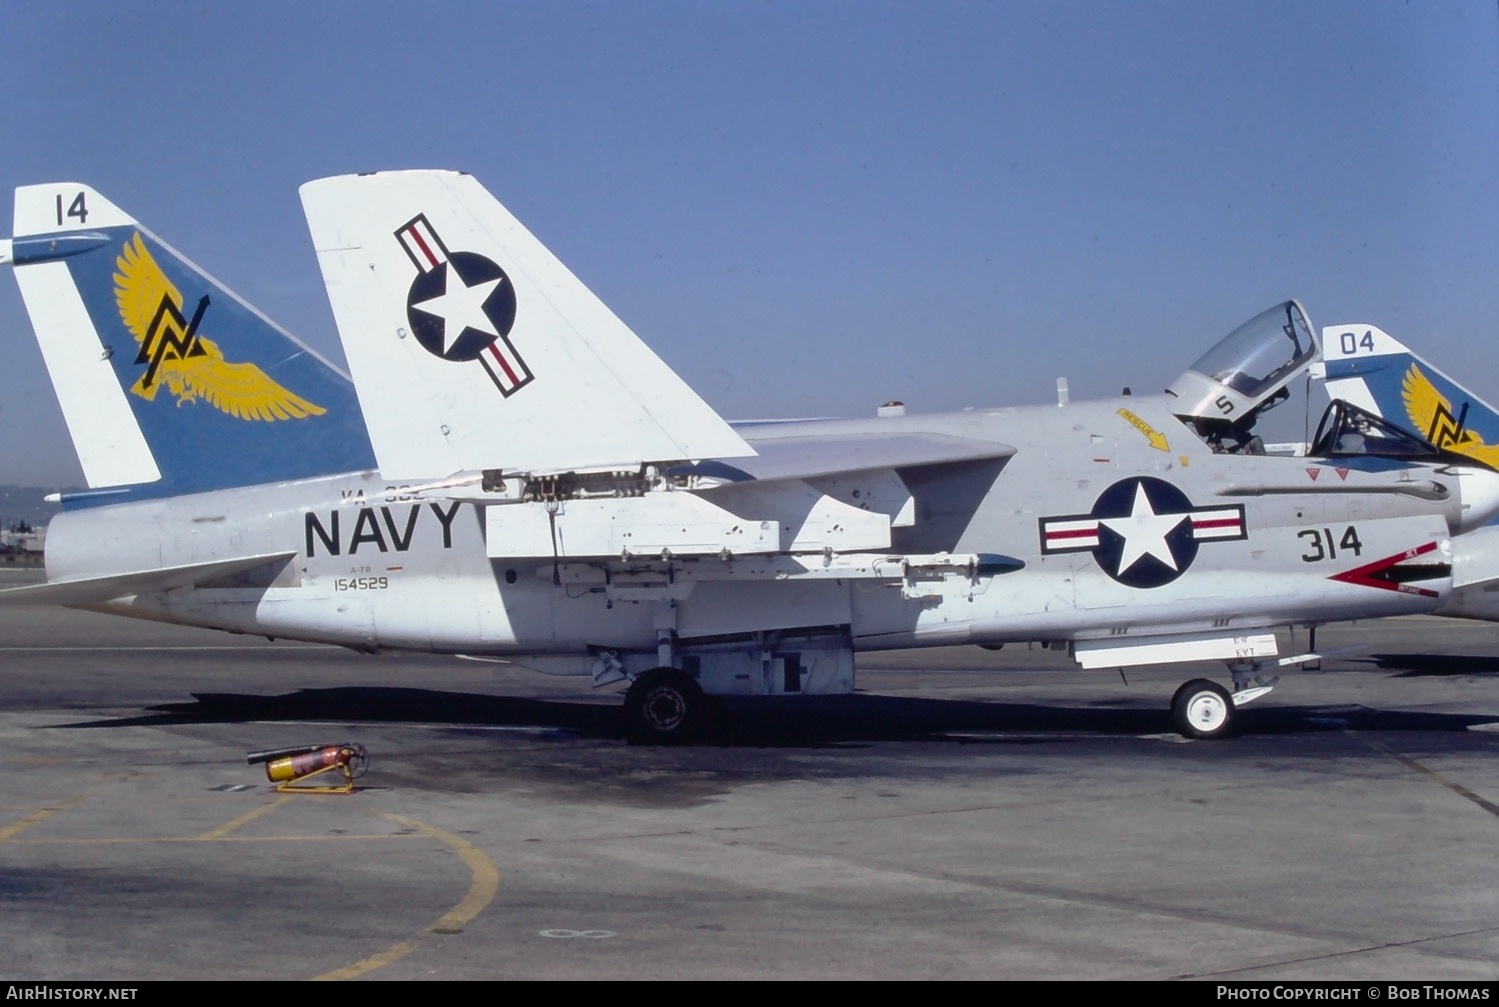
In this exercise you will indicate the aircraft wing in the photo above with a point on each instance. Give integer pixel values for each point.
(92, 590)
(808, 457)
(802, 492)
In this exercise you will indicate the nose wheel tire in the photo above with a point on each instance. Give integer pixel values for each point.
(664, 706)
(1203, 709)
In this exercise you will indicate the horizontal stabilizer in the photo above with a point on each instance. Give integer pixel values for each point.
(473, 347)
(1475, 576)
(93, 590)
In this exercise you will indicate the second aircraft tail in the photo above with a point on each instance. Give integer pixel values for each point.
(168, 382)
(1375, 371)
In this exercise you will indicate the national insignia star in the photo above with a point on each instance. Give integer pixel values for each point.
(460, 307)
(1144, 532)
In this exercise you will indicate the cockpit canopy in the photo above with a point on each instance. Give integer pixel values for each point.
(1346, 431)
(1249, 370)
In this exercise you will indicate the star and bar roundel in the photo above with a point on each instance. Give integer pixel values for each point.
(461, 307)
(1142, 531)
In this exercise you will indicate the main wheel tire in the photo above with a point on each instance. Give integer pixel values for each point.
(664, 706)
(1203, 709)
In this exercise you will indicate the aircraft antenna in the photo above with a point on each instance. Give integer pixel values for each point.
(1306, 414)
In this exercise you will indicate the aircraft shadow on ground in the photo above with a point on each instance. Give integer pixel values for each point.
(792, 722)
(1436, 665)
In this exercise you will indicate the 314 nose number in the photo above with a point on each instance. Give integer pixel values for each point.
(1321, 544)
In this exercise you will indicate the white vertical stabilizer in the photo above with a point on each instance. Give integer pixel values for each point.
(111, 448)
(473, 347)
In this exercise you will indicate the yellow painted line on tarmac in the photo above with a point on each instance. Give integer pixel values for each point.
(234, 823)
(1436, 777)
(486, 882)
(40, 816)
(482, 888)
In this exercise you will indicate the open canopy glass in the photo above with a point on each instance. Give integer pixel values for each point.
(1249, 368)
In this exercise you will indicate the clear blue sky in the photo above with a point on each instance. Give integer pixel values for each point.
(810, 208)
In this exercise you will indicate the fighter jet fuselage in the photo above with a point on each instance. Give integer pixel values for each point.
(1110, 521)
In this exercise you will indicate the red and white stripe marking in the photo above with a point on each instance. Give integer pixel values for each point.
(422, 244)
(1227, 522)
(1065, 536)
(504, 366)
(1078, 534)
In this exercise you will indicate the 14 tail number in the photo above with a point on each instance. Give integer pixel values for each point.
(75, 209)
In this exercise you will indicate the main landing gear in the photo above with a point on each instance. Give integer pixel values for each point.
(665, 706)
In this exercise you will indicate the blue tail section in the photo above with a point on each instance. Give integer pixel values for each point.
(1374, 370)
(169, 383)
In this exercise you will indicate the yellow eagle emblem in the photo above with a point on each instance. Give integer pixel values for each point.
(175, 355)
(1432, 415)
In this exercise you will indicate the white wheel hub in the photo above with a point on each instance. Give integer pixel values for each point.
(1206, 711)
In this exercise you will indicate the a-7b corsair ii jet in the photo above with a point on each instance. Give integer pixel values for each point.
(520, 476)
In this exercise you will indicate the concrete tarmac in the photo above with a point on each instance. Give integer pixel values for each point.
(966, 814)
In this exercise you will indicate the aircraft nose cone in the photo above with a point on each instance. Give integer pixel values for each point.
(1478, 490)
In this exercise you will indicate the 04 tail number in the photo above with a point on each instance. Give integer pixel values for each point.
(1351, 343)
(1322, 544)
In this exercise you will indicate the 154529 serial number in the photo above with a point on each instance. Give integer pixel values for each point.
(361, 583)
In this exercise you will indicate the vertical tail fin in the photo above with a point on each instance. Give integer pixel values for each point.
(169, 383)
(1375, 371)
(473, 347)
